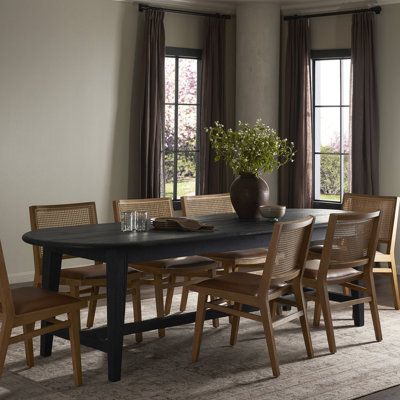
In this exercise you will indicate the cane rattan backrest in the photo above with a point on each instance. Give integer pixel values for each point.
(351, 239)
(387, 205)
(287, 251)
(59, 215)
(6, 302)
(194, 206)
(155, 207)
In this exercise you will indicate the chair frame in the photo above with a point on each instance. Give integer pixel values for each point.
(91, 286)
(163, 279)
(389, 255)
(320, 285)
(263, 299)
(9, 320)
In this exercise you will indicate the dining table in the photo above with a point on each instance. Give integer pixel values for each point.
(107, 243)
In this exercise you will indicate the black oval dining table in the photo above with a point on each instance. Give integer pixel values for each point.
(106, 243)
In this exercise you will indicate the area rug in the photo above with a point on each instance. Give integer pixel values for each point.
(162, 368)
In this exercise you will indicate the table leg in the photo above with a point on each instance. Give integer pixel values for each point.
(117, 268)
(50, 280)
(358, 309)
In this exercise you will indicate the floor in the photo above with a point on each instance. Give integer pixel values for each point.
(384, 293)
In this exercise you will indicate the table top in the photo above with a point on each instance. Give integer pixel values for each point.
(109, 235)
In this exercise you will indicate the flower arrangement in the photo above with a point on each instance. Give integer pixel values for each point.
(250, 149)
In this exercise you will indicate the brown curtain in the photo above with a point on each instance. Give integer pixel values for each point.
(214, 176)
(152, 127)
(295, 179)
(365, 135)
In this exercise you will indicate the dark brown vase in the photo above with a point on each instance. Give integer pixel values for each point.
(248, 193)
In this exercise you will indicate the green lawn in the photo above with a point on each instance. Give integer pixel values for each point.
(186, 187)
(330, 197)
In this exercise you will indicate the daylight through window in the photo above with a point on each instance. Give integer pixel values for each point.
(332, 144)
(181, 144)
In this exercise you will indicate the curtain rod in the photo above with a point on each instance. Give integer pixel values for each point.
(376, 10)
(144, 7)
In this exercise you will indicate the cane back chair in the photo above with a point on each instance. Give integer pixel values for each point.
(282, 274)
(166, 271)
(389, 208)
(26, 305)
(347, 259)
(83, 281)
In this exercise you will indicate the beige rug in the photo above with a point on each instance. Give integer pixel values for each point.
(162, 369)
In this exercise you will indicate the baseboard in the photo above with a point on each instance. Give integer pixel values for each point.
(20, 277)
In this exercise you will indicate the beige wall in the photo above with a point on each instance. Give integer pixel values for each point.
(65, 89)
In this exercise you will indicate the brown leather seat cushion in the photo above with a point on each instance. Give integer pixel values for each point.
(237, 254)
(316, 249)
(94, 271)
(193, 262)
(312, 267)
(28, 299)
(238, 282)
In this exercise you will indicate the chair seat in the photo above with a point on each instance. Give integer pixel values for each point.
(238, 282)
(89, 272)
(30, 299)
(317, 249)
(183, 263)
(312, 266)
(240, 254)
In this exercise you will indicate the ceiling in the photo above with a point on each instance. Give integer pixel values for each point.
(298, 6)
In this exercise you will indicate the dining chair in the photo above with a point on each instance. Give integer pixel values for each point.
(83, 280)
(22, 307)
(166, 271)
(202, 205)
(389, 208)
(282, 275)
(347, 259)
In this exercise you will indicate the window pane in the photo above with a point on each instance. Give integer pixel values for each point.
(327, 82)
(187, 127)
(327, 130)
(169, 134)
(345, 130)
(186, 174)
(169, 174)
(169, 79)
(346, 82)
(346, 174)
(187, 81)
(327, 179)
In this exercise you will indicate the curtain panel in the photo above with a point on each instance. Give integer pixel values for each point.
(214, 176)
(364, 120)
(295, 179)
(152, 124)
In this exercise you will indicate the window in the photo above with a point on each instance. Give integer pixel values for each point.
(182, 112)
(331, 125)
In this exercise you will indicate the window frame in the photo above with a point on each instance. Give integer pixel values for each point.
(317, 55)
(179, 53)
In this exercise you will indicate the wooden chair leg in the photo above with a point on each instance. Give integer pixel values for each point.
(184, 296)
(158, 288)
(212, 274)
(269, 337)
(317, 313)
(198, 328)
(29, 345)
(322, 293)
(92, 306)
(74, 319)
(346, 291)
(395, 283)
(235, 325)
(5, 334)
(369, 280)
(170, 294)
(137, 307)
(301, 306)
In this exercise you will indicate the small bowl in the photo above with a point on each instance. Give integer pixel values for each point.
(272, 212)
